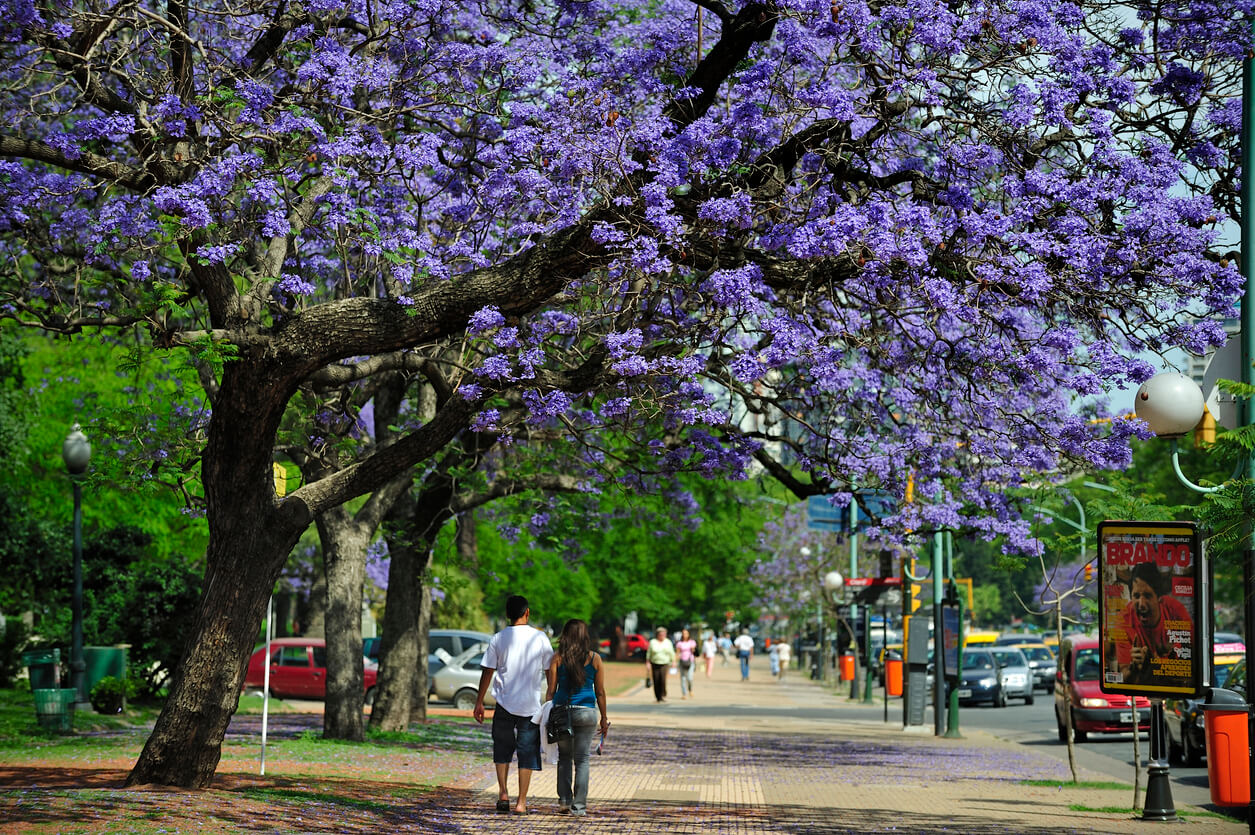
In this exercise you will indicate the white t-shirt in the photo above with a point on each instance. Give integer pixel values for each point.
(520, 655)
(744, 643)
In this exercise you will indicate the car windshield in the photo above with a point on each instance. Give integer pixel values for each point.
(1037, 653)
(1010, 658)
(1221, 673)
(978, 661)
(1088, 665)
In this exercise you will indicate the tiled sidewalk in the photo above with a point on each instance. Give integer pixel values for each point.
(669, 770)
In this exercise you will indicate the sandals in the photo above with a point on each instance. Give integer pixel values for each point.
(503, 806)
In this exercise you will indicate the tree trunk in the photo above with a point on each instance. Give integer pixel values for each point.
(467, 543)
(412, 531)
(344, 541)
(250, 536)
(399, 641)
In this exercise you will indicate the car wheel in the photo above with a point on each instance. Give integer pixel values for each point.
(1028, 700)
(1001, 699)
(1193, 756)
(1078, 735)
(465, 698)
(1063, 731)
(370, 696)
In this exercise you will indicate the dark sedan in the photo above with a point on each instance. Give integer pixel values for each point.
(1187, 735)
(979, 680)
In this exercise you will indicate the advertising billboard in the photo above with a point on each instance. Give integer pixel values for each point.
(1148, 604)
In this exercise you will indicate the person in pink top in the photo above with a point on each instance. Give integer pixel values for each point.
(686, 653)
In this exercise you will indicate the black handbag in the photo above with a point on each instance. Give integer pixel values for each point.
(559, 725)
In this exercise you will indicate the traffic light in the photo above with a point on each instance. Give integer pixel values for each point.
(1089, 571)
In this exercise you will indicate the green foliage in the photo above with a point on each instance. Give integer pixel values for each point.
(987, 604)
(14, 403)
(628, 551)
(110, 694)
(13, 639)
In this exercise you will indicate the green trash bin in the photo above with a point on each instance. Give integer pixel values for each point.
(45, 668)
(54, 708)
(103, 661)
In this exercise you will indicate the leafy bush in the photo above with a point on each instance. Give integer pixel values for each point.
(13, 639)
(109, 695)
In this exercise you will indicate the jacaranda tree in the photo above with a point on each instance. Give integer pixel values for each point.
(908, 231)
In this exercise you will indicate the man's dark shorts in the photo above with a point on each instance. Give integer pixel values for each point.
(512, 733)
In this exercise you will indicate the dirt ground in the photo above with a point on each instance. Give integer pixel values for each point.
(347, 789)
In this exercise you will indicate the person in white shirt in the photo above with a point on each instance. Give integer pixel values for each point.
(744, 651)
(514, 665)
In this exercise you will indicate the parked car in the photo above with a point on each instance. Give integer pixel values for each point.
(298, 669)
(1093, 711)
(637, 645)
(1015, 673)
(458, 680)
(454, 642)
(1042, 662)
(1187, 735)
(1007, 638)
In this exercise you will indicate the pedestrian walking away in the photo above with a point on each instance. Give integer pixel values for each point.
(658, 660)
(710, 648)
(577, 679)
(686, 653)
(744, 651)
(773, 657)
(513, 664)
(725, 649)
(785, 654)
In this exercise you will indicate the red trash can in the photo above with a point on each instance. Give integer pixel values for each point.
(847, 668)
(1228, 764)
(893, 676)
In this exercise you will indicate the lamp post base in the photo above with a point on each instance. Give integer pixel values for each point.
(1159, 805)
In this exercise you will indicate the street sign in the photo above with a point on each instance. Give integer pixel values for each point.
(821, 514)
(862, 582)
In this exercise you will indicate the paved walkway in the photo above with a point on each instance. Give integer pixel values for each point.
(760, 757)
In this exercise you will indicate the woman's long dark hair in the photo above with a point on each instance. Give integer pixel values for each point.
(574, 647)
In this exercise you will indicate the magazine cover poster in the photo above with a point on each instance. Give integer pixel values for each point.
(1148, 608)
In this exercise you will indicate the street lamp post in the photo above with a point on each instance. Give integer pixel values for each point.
(832, 583)
(77, 453)
(1172, 405)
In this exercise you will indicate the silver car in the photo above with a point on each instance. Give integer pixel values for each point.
(458, 680)
(1015, 673)
(1042, 662)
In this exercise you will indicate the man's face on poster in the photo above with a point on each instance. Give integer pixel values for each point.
(1145, 604)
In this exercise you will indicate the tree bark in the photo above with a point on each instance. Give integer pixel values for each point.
(250, 536)
(402, 645)
(344, 544)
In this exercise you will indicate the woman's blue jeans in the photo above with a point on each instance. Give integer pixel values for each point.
(574, 752)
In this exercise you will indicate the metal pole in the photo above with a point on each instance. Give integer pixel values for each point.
(854, 606)
(952, 712)
(1247, 264)
(78, 668)
(939, 685)
(884, 641)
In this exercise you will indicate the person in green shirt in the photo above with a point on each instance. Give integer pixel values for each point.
(658, 660)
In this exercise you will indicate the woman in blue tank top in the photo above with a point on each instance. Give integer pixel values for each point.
(577, 678)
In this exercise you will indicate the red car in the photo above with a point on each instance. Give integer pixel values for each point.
(637, 645)
(1093, 711)
(298, 669)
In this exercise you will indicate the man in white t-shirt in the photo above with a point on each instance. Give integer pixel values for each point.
(514, 664)
(744, 651)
